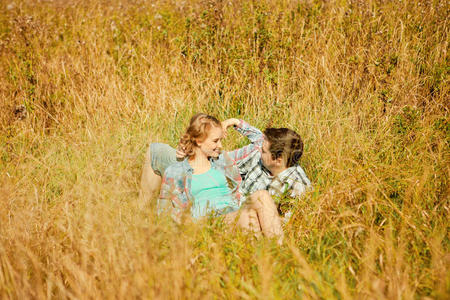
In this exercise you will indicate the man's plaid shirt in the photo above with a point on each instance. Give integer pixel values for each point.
(292, 181)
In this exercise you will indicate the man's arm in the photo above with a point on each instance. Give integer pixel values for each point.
(255, 136)
(252, 133)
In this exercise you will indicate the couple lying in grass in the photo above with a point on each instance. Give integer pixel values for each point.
(239, 185)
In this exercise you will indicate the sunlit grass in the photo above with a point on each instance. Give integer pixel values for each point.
(86, 85)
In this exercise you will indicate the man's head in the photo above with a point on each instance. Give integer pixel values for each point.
(282, 148)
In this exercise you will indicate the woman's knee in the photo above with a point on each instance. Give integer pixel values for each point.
(260, 194)
(148, 156)
(261, 199)
(150, 181)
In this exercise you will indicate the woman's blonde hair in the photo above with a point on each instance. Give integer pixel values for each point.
(197, 131)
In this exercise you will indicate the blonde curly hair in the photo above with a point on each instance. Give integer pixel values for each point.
(197, 131)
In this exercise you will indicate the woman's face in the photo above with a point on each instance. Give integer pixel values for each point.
(212, 145)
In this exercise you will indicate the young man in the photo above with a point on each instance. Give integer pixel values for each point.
(268, 166)
(270, 163)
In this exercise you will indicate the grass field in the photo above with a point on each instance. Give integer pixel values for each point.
(86, 85)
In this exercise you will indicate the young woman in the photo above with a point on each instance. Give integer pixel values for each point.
(207, 182)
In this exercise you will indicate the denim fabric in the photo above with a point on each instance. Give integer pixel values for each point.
(162, 156)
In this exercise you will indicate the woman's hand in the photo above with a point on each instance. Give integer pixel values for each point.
(180, 154)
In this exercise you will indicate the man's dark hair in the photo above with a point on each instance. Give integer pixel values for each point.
(285, 143)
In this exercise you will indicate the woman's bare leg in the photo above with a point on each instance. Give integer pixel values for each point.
(244, 218)
(150, 181)
(253, 221)
(258, 215)
(268, 217)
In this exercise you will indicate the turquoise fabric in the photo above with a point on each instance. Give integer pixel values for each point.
(211, 194)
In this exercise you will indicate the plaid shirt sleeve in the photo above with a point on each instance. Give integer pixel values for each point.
(256, 138)
(171, 199)
(232, 172)
(301, 183)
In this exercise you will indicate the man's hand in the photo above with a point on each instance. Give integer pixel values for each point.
(228, 123)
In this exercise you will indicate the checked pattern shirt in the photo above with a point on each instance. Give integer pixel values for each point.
(292, 181)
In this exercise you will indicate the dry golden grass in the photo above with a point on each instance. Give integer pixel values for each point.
(85, 85)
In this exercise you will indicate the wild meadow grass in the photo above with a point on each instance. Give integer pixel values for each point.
(86, 85)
